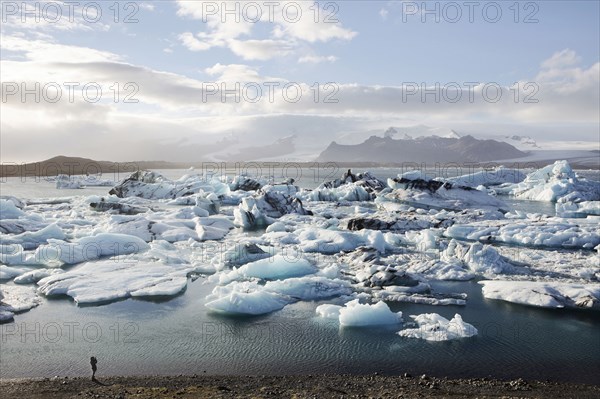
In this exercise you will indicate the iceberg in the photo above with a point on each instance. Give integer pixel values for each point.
(488, 178)
(88, 248)
(309, 288)
(573, 209)
(152, 185)
(440, 195)
(275, 268)
(16, 299)
(109, 280)
(433, 327)
(356, 314)
(554, 183)
(543, 294)
(541, 233)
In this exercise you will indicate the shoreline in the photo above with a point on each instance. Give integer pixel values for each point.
(292, 386)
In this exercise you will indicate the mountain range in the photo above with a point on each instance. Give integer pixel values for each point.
(427, 149)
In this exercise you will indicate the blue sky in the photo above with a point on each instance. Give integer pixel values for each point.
(370, 51)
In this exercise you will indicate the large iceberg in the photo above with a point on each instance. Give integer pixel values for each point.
(109, 280)
(153, 185)
(441, 195)
(555, 183)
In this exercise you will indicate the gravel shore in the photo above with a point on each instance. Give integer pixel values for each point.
(305, 386)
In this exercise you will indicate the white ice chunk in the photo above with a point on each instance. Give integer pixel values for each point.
(328, 311)
(108, 280)
(245, 299)
(355, 314)
(274, 268)
(433, 327)
(543, 294)
(8, 210)
(89, 248)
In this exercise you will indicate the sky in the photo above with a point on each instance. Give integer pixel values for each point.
(203, 80)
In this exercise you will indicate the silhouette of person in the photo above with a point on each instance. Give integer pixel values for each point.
(94, 362)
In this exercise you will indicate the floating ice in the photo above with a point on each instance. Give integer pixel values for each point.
(242, 253)
(275, 268)
(309, 288)
(329, 311)
(355, 314)
(16, 299)
(109, 280)
(581, 209)
(433, 327)
(555, 183)
(153, 185)
(487, 178)
(544, 294)
(31, 240)
(433, 194)
(8, 210)
(269, 203)
(550, 232)
(36, 275)
(89, 248)
(245, 299)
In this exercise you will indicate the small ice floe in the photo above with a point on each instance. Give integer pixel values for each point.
(8, 210)
(356, 314)
(16, 299)
(245, 299)
(544, 294)
(580, 209)
(433, 327)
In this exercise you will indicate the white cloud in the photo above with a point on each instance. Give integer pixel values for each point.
(172, 106)
(286, 36)
(316, 59)
(561, 59)
(383, 13)
(192, 43)
(47, 51)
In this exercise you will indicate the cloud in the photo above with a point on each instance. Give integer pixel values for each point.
(48, 51)
(292, 28)
(561, 59)
(173, 107)
(316, 59)
(54, 16)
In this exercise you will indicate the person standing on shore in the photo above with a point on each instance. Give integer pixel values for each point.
(94, 362)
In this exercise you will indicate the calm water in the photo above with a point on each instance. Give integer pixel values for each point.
(178, 336)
